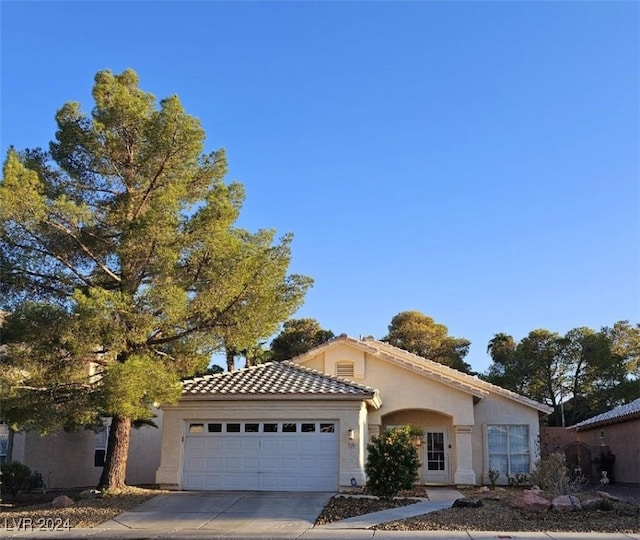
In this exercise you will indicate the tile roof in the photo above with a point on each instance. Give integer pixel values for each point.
(270, 380)
(427, 368)
(617, 414)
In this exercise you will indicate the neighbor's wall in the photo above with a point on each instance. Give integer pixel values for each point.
(347, 414)
(623, 439)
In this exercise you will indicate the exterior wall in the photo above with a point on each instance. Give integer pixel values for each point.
(499, 410)
(623, 439)
(555, 439)
(66, 459)
(347, 414)
(408, 397)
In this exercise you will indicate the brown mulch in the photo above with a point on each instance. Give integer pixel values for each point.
(343, 507)
(497, 514)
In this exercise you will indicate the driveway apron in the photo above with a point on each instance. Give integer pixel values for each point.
(230, 512)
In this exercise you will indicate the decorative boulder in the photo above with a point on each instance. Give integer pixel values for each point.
(90, 494)
(467, 503)
(62, 501)
(566, 503)
(605, 495)
(484, 489)
(531, 500)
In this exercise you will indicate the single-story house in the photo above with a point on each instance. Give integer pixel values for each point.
(614, 439)
(305, 424)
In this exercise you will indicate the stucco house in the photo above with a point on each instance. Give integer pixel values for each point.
(616, 431)
(305, 424)
(74, 459)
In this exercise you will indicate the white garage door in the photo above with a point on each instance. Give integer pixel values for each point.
(261, 456)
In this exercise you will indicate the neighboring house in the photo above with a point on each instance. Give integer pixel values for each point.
(74, 459)
(614, 440)
(305, 424)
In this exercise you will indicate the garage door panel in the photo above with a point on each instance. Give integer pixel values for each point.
(261, 459)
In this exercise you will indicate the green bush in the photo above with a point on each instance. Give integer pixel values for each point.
(553, 475)
(15, 477)
(392, 464)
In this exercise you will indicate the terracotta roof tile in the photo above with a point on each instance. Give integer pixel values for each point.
(617, 414)
(273, 379)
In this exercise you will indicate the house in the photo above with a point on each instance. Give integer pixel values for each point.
(614, 440)
(74, 459)
(305, 424)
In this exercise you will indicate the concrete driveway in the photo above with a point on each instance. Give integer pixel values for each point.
(225, 513)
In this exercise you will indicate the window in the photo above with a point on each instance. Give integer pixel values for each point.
(289, 428)
(233, 428)
(251, 428)
(4, 441)
(196, 428)
(100, 446)
(327, 428)
(214, 428)
(270, 428)
(508, 448)
(308, 428)
(344, 369)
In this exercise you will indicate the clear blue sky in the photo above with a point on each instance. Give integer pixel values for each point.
(475, 161)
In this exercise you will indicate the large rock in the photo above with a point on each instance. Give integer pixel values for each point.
(605, 495)
(90, 494)
(62, 501)
(531, 500)
(467, 503)
(566, 503)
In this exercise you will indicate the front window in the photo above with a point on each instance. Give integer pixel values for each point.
(508, 449)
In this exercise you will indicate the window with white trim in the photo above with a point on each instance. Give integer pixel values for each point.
(344, 370)
(100, 446)
(4, 441)
(508, 448)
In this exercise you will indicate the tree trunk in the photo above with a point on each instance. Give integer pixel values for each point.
(115, 467)
(231, 359)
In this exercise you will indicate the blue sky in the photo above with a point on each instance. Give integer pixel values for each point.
(475, 161)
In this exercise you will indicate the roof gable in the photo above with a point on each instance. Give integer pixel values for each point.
(272, 380)
(621, 413)
(426, 368)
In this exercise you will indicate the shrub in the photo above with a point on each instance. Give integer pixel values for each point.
(552, 475)
(15, 477)
(493, 477)
(392, 464)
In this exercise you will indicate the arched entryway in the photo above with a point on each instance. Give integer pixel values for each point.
(436, 451)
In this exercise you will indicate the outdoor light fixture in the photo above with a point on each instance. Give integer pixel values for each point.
(351, 434)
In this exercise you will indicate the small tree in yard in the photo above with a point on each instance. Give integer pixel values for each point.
(392, 464)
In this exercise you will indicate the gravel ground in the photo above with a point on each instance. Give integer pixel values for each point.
(84, 512)
(497, 514)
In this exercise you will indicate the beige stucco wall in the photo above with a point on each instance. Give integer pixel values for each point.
(623, 439)
(66, 459)
(348, 414)
(500, 410)
(409, 397)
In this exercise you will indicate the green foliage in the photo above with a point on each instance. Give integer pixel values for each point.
(421, 335)
(519, 479)
(122, 267)
(297, 337)
(493, 477)
(392, 462)
(552, 474)
(16, 477)
(580, 374)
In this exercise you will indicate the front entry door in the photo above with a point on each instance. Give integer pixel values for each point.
(436, 458)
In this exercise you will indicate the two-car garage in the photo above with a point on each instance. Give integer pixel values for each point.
(256, 455)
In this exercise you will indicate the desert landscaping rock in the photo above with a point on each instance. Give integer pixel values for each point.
(467, 503)
(566, 503)
(531, 500)
(62, 501)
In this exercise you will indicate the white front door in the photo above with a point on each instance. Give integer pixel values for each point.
(436, 457)
(286, 455)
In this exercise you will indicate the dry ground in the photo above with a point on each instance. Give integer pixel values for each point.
(496, 514)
